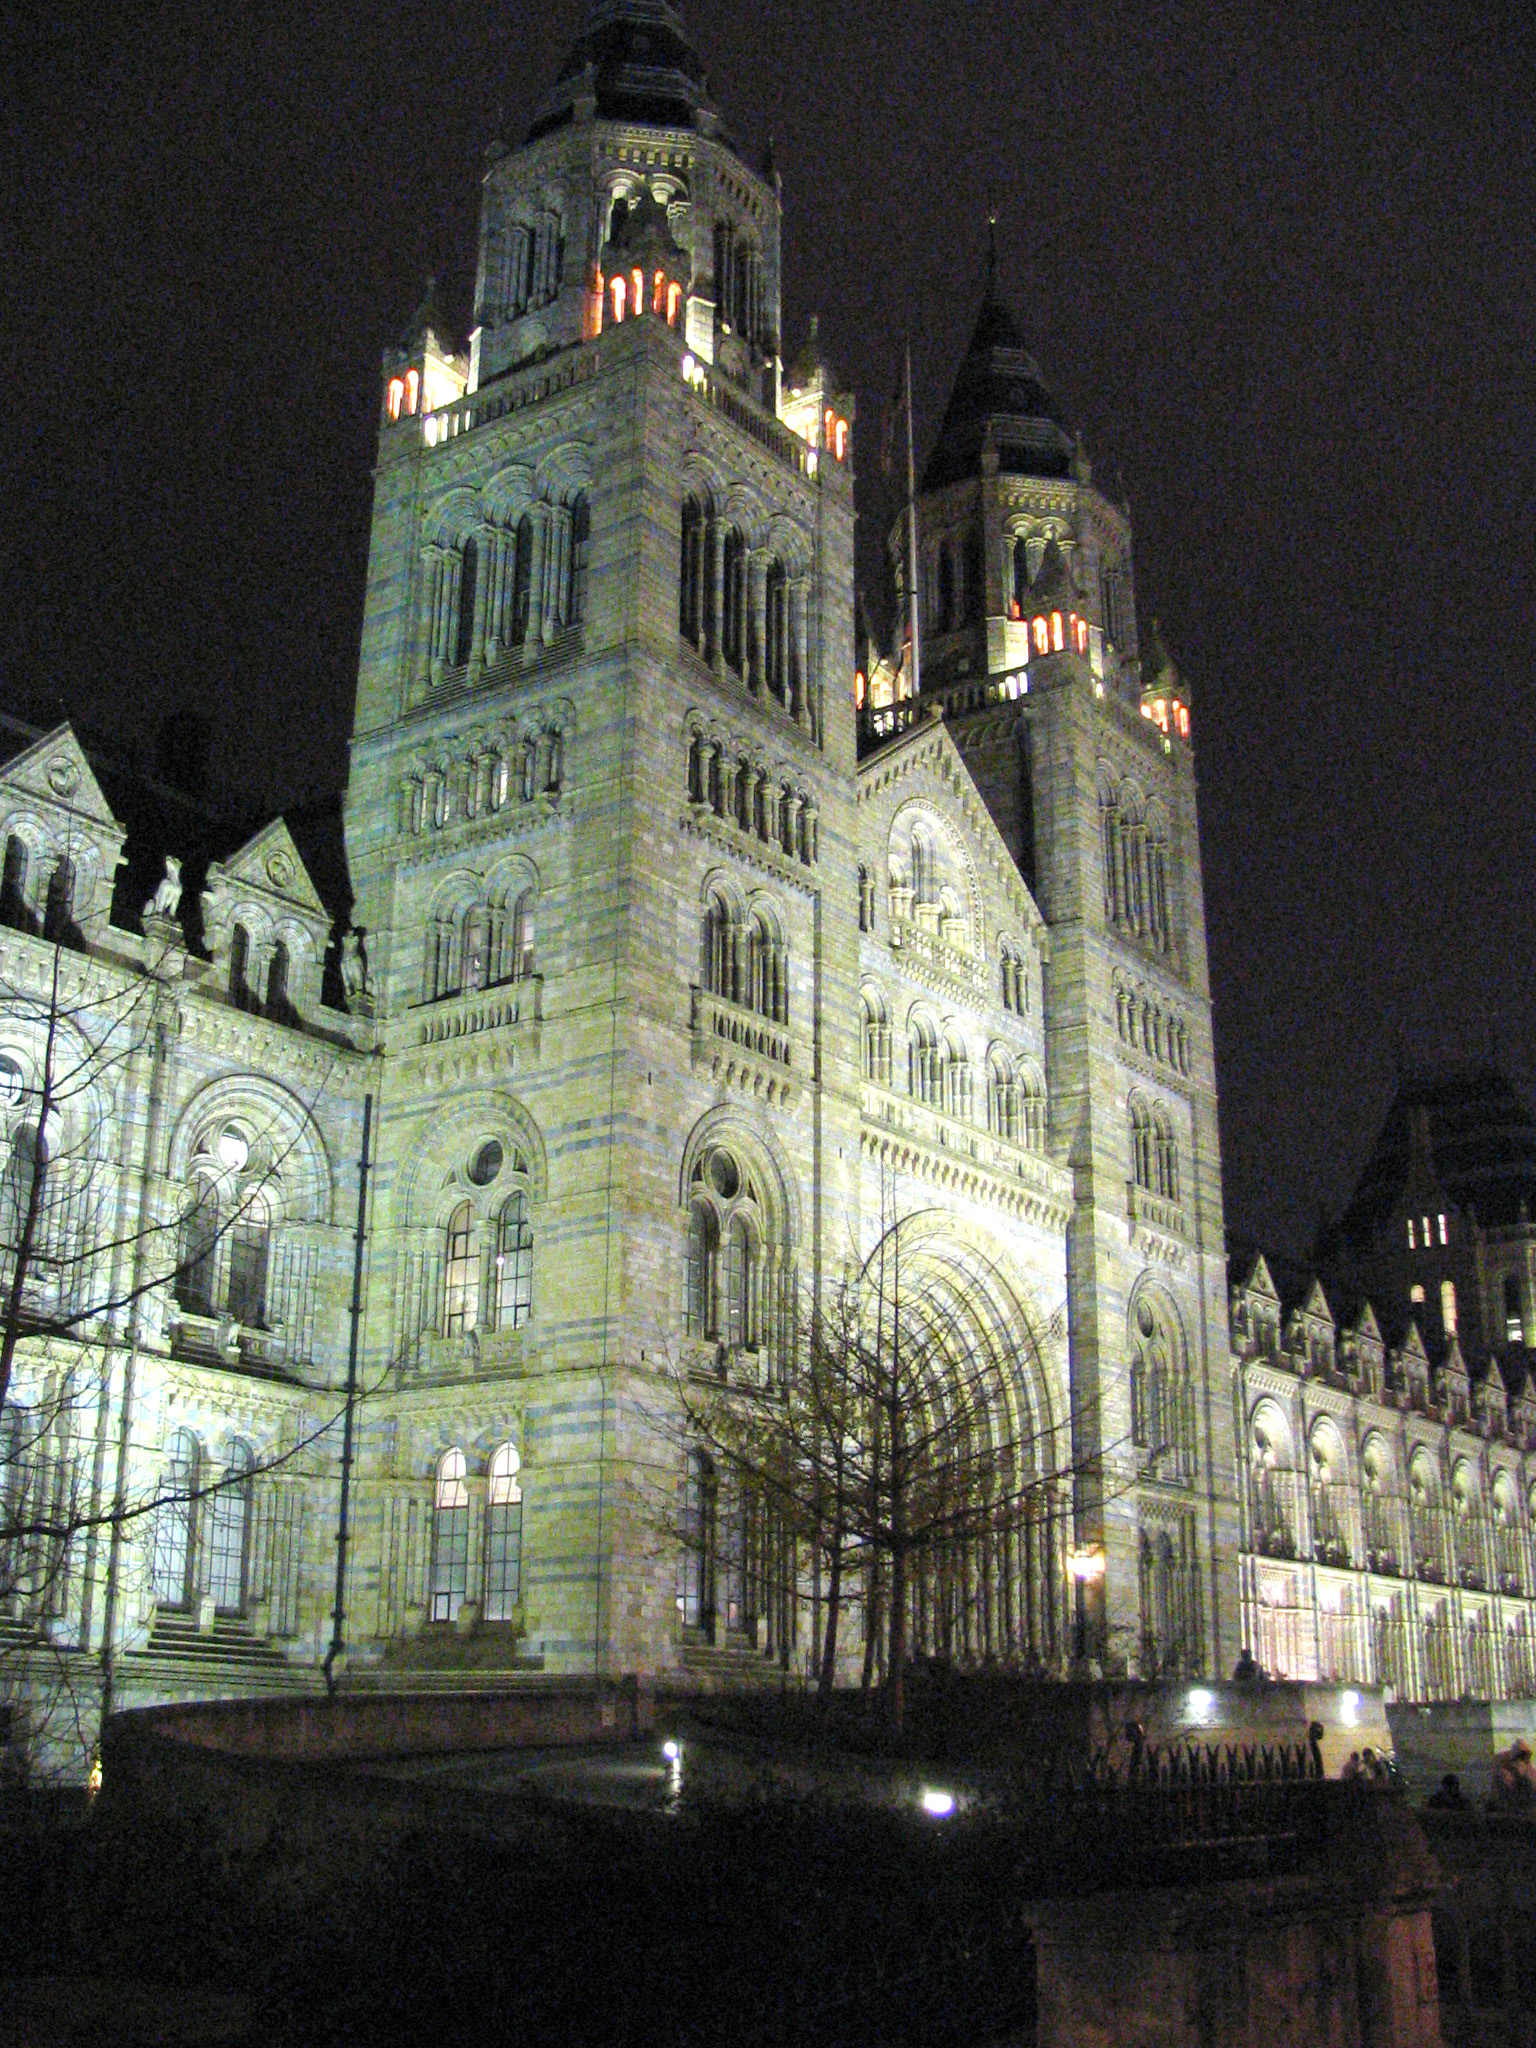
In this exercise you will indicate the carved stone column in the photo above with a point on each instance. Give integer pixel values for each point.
(555, 605)
(757, 618)
(540, 518)
(715, 550)
(796, 649)
(426, 635)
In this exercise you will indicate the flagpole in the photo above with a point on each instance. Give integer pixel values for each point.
(917, 666)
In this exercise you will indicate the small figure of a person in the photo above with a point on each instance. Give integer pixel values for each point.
(1448, 1797)
(1514, 1781)
(1246, 1670)
(1354, 1768)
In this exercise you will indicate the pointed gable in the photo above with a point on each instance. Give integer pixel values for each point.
(265, 925)
(58, 835)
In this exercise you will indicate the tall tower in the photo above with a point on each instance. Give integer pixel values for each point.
(602, 766)
(1077, 732)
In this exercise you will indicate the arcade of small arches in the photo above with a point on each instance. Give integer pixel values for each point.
(265, 962)
(1147, 1027)
(1133, 839)
(724, 778)
(742, 608)
(1154, 1149)
(201, 1542)
(1163, 1427)
(524, 266)
(745, 959)
(481, 940)
(941, 1075)
(495, 585)
(481, 783)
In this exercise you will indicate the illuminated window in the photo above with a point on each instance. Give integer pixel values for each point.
(637, 279)
(1448, 1307)
(1412, 1242)
(1416, 1295)
(1443, 1238)
(674, 293)
(412, 386)
(503, 1535)
(450, 1537)
(396, 396)
(1428, 1235)
(1058, 638)
(1514, 1332)
(658, 292)
(514, 1266)
(1042, 637)
(620, 294)
(461, 1289)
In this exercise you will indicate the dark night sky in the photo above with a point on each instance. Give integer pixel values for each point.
(1277, 261)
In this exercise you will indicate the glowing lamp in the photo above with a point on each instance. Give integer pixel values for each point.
(1085, 1566)
(1202, 1704)
(1349, 1710)
(673, 1752)
(936, 1804)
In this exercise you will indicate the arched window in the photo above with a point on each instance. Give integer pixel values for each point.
(776, 625)
(249, 1241)
(503, 1535)
(699, 1279)
(522, 580)
(1020, 573)
(477, 949)
(1514, 1328)
(767, 972)
(450, 1537)
(461, 1277)
(13, 884)
(741, 1285)
(581, 553)
(198, 1249)
(924, 869)
(227, 1532)
(877, 1040)
(720, 963)
(514, 1265)
(240, 966)
(469, 572)
(1167, 1159)
(171, 1568)
(1002, 1098)
(522, 925)
(690, 573)
(944, 592)
(58, 911)
(925, 1071)
(975, 592)
(1032, 1109)
(696, 1567)
(277, 982)
(733, 636)
(1143, 1165)
(959, 1095)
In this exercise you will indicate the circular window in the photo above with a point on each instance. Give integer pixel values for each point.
(233, 1149)
(723, 1177)
(13, 1082)
(486, 1163)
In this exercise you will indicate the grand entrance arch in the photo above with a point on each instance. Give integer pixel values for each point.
(971, 1461)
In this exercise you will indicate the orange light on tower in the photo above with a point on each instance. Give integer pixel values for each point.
(1080, 633)
(638, 278)
(658, 288)
(1042, 636)
(1058, 638)
(412, 385)
(596, 322)
(620, 294)
(858, 689)
(396, 396)
(674, 294)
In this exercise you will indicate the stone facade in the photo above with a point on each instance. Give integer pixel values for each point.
(677, 972)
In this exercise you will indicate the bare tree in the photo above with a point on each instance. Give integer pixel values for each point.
(912, 1457)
